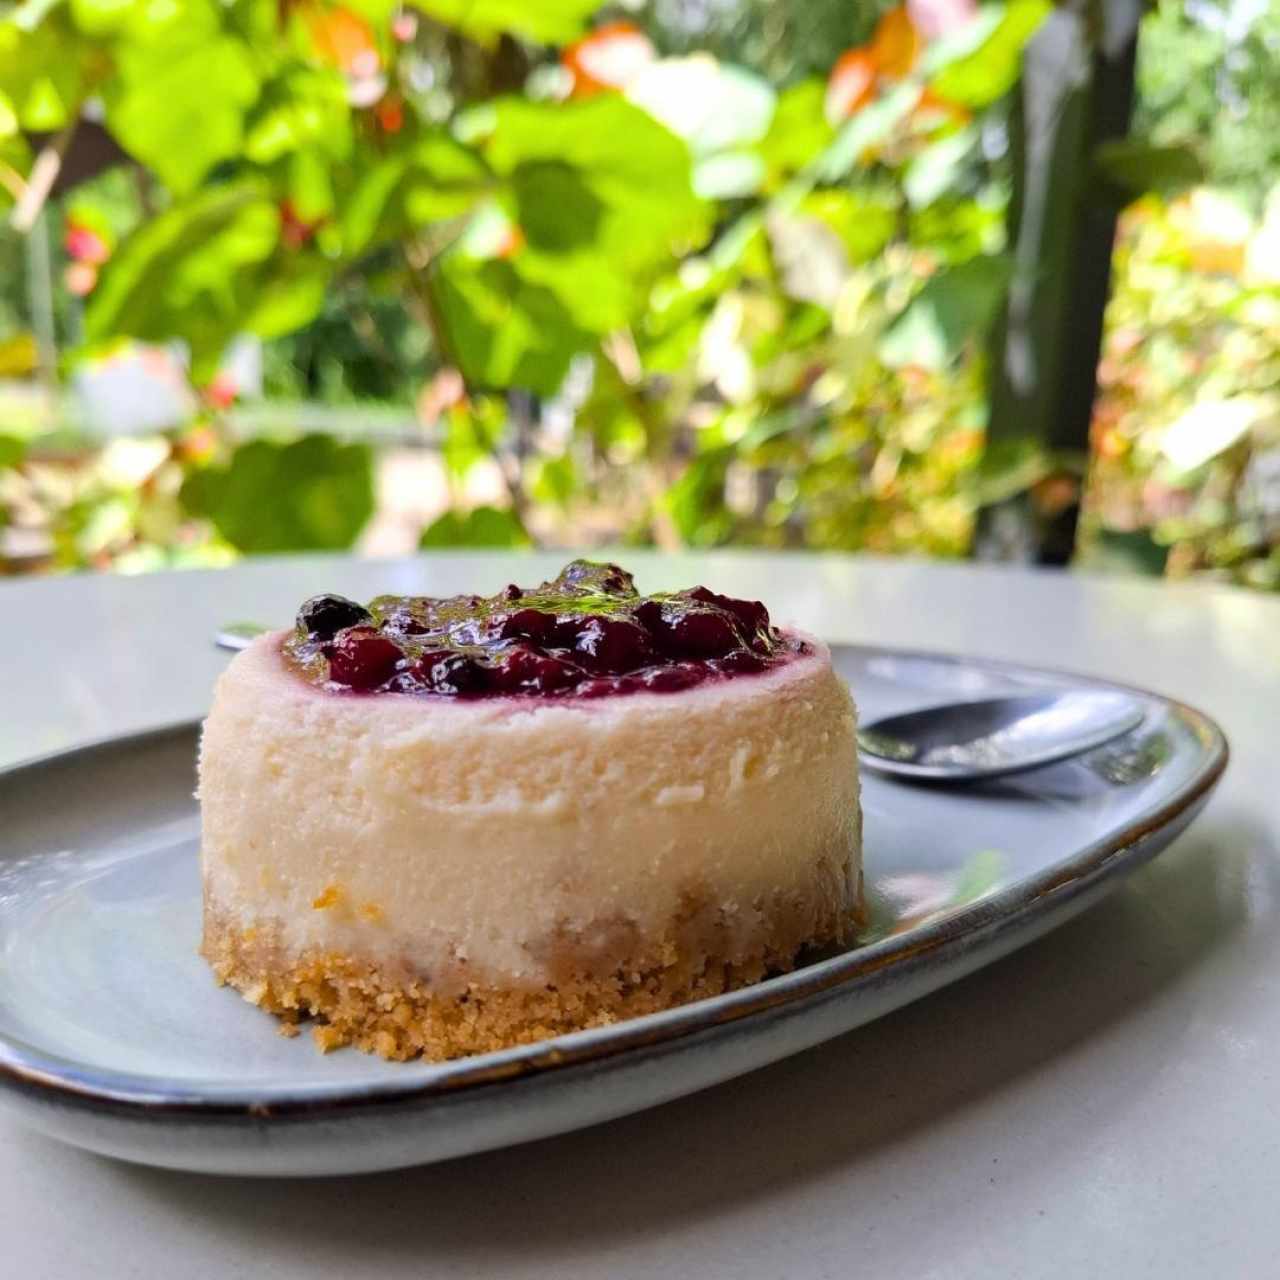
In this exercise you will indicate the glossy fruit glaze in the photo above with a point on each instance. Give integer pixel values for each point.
(587, 634)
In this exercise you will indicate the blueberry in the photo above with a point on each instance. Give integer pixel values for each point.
(326, 615)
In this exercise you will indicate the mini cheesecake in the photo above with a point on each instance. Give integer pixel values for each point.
(438, 827)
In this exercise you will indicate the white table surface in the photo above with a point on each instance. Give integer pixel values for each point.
(1103, 1103)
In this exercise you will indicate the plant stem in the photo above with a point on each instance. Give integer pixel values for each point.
(44, 173)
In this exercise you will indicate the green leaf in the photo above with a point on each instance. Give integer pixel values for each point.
(101, 17)
(555, 480)
(310, 180)
(1135, 167)
(546, 21)
(12, 451)
(868, 128)
(598, 217)
(711, 105)
(41, 72)
(985, 74)
(19, 355)
(696, 500)
(27, 15)
(311, 494)
(556, 207)
(196, 272)
(959, 228)
(799, 130)
(864, 221)
(1009, 466)
(728, 175)
(436, 178)
(480, 527)
(503, 330)
(289, 298)
(183, 88)
(306, 107)
(936, 169)
(471, 434)
(955, 306)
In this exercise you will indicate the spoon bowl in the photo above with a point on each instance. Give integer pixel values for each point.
(995, 737)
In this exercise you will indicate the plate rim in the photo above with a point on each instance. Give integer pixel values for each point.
(58, 1080)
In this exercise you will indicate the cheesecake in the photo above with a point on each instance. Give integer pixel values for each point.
(440, 826)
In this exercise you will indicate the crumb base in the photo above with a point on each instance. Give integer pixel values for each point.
(356, 1001)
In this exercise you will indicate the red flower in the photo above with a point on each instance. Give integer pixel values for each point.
(295, 231)
(222, 391)
(390, 114)
(84, 244)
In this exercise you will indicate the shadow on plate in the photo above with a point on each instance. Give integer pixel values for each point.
(840, 1110)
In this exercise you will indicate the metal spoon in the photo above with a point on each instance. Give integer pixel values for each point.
(994, 737)
(956, 741)
(237, 635)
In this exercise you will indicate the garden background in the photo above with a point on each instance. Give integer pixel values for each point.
(289, 274)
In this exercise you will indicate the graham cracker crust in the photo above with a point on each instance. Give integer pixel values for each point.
(357, 1001)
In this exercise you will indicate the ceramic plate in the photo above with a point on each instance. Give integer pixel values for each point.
(113, 1035)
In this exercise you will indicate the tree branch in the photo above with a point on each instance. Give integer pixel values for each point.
(44, 173)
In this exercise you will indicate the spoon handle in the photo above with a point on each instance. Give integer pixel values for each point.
(237, 635)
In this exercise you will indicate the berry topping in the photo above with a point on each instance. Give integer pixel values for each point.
(443, 672)
(704, 633)
(585, 635)
(362, 657)
(527, 624)
(325, 616)
(612, 646)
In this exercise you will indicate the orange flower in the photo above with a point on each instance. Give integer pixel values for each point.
(510, 242)
(609, 58)
(344, 40)
(851, 85)
(80, 278)
(1054, 494)
(1111, 444)
(895, 46)
(932, 104)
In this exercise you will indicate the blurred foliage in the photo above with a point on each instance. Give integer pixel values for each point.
(693, 275)
(1207, 75)
(1185, 442)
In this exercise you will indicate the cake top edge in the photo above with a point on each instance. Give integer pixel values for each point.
(584, 635)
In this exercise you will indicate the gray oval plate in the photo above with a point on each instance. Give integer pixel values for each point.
(113, 1035)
